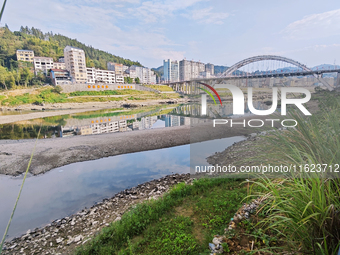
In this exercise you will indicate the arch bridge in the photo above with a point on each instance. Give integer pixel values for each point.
(233, 74)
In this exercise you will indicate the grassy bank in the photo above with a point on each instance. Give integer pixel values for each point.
(183, 221)
(161, 88)
(53, 95)
(304, 208)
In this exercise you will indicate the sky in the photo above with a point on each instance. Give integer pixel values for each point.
(221, 32)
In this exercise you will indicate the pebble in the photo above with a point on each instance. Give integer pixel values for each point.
(89, 221)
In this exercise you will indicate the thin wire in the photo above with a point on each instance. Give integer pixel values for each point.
(16, 202)
(2, 9)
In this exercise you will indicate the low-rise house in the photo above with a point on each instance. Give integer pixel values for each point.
(25, 55)
(43, 64)
(60, 77)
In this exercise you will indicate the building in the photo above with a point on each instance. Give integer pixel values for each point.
(205, 75)
(185, 70)
(43, 64)
(100, 76)
(145, 75)
(171, 70)
(75, 63)
(209, 68)
(62, 59)
(60, 77)
(119, 70)
(59, 65)
(190, 69)
(135, 71)
(25, 55)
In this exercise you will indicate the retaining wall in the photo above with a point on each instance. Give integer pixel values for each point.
(67, 88)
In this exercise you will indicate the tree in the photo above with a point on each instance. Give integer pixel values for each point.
(58, 89)
(26, 75)
(17, 76)
(128, 80)
(3, 76)
(137, 80)
(10, 81)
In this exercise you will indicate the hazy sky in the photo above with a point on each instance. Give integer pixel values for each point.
(220, 32)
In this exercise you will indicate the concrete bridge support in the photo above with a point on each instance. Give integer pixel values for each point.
(337, 81)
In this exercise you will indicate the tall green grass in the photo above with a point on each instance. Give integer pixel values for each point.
(305, 207)
(133, 223)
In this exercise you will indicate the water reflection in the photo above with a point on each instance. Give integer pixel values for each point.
(118, 120)
(65, 190)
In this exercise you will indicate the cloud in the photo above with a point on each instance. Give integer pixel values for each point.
(96, 26)
(314, 26)
(206, 16)
(100, 1)
(154, 11)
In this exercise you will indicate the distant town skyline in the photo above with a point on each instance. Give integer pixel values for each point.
(218, 32)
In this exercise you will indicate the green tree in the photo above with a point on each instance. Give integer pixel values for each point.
(128, 80)
(26, 75)
(3, 76)
(137, 80)
(17, 76)
(10, 81)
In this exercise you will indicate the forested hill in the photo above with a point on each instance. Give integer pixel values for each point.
(49, 45)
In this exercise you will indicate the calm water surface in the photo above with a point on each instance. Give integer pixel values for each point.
(66, 190)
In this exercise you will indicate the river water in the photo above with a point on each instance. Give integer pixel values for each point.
(66, 190)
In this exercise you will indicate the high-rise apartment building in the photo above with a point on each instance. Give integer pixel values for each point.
(171, 70)
(190, 69)
(145, 75)
(209, 68)
(59, 65)
(75, 63)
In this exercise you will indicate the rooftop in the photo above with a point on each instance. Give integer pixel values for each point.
(71, 47)
(26, 50)
(43, 57)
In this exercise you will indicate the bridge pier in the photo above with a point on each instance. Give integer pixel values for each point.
(337, 82)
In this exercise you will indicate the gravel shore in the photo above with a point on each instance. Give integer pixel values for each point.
(62, 236)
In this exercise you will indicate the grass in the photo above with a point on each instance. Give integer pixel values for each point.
(183, 221)
(45, 95)
(304, 207)
(160, 87)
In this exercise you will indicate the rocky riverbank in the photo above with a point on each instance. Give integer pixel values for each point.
(62, 236)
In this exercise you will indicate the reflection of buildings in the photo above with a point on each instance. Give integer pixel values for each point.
(175, 121)
(172, 121)
(119, 123)
(97, 126)
(144, 123)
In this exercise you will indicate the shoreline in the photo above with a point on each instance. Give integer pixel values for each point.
(50, 110)
(56, 152)
(62, 236)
